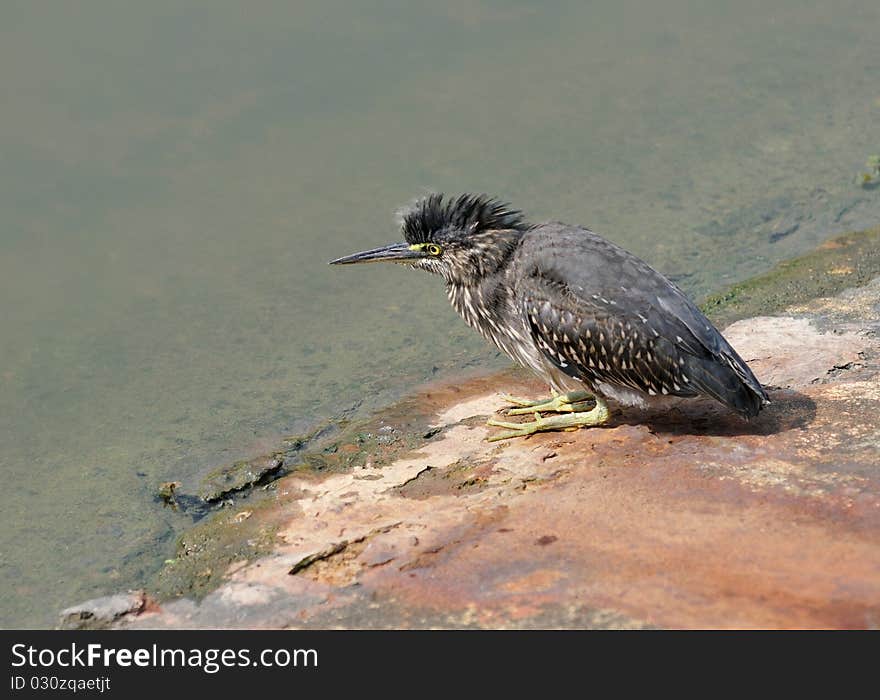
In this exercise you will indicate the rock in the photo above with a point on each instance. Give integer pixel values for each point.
(683, 516)
(100, 613)
(239, 476)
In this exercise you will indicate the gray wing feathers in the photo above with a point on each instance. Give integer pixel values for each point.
(575, 273)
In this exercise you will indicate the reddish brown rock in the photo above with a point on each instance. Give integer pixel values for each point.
(686, 517)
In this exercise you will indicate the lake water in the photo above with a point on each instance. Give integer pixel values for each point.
(175, 175)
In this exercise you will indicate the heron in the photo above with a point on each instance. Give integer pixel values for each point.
(589, 318)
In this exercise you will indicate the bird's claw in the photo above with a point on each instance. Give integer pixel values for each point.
(597, 415)
(515, 429)
(519, 401)
(572, 402)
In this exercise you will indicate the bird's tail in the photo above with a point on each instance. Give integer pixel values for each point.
(730, 381)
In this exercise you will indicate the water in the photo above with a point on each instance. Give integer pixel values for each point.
(175, 175)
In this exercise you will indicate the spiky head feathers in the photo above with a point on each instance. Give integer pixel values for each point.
(435, 218)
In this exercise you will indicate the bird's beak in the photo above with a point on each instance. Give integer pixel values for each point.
(396, 252)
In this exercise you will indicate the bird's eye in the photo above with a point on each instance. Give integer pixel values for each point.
(434, 249)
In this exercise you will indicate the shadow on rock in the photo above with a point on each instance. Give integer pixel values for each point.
(788, 410)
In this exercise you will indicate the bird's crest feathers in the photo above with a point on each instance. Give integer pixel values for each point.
(426, 217)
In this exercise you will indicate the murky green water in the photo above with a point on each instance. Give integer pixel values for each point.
(175, 175)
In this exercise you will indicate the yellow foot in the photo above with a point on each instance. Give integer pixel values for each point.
(572, 402)
(597, 416)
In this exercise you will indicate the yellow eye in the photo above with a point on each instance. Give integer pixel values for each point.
(433, 249)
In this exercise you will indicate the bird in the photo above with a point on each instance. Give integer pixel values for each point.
(589, 318)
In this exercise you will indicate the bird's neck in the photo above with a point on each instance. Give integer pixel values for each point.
(481, 293)
(489, 307)
(481, 302)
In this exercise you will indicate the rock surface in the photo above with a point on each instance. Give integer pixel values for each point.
(101, 612)
(238, 476)
(686, 517)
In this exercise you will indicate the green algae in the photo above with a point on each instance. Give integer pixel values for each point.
(849, 260)
(242, 532)
(871, 178)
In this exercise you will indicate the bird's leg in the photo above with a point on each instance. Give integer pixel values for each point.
(597, 416)
(572, 402)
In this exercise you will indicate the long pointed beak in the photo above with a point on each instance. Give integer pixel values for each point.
(396, 252)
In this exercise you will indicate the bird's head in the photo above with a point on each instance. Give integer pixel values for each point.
(461, 238)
